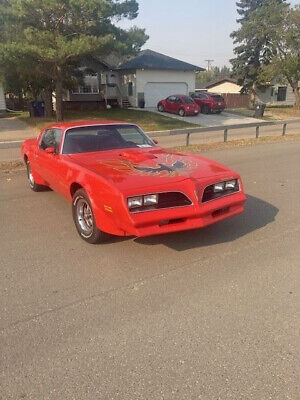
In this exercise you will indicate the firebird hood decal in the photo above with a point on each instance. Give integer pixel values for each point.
(147, 166)
(177, 165)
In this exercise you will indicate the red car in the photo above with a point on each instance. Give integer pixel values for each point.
(120, 182)
(179, 104)
(209, 102)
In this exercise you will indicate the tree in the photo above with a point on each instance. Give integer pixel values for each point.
(282, 25)
(253, 48)
(57, 34)
(213, 74)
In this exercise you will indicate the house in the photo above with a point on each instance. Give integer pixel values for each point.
(276, 94)
(222, 86)
(2, 98)
(229, 89)
(142, 80)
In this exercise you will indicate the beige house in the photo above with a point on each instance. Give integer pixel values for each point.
(2, 98)
(140, 81)
(222, 86)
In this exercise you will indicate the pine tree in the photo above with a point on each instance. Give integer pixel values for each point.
(51, 37)
(253, 48)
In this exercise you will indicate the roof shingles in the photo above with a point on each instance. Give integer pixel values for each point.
(149, 59)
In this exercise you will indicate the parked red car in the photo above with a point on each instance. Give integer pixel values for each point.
(209, 102)
(179, 104)
(120, 182)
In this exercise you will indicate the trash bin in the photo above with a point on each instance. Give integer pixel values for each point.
(259, 110)
(40, 108)
(37, 109)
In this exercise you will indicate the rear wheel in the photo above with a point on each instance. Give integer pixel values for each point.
(181, 112)
(219, 111)
(160, 108)
(84, 219)
(33, 186)
(205, 109)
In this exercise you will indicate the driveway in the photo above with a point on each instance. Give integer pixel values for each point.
(206, 314)
(224, 118)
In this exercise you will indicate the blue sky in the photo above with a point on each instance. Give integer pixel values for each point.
(191, 30)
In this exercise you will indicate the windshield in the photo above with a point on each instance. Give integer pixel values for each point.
(104, 137)
(187, 100)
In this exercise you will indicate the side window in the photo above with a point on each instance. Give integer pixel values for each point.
(178, 100)
(171, 98)
(51, 138)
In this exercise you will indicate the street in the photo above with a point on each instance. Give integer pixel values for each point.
(207, 314)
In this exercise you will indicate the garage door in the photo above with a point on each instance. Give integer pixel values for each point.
(159, 91)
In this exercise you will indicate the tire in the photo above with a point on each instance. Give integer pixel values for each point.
(181, 112)
(205, 109)
(218, 112)
(160, 108)
(84, 219)
(33, 186)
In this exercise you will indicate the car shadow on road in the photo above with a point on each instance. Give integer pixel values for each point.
(258, 213)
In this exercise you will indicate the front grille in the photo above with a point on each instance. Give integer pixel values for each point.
(209, 193)
(172, 199)
(166, 200)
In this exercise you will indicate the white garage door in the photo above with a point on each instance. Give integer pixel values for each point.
(154, 92)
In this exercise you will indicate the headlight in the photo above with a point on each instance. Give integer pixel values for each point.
(150, 199)
(219, 187)
(229, 185)
(134, 202)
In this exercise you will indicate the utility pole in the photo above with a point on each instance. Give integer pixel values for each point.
(209, 63)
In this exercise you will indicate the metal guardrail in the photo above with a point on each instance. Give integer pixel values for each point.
(225, 128)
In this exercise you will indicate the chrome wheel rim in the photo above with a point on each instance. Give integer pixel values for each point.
(84, 217)
(30, 176)
(181, 113)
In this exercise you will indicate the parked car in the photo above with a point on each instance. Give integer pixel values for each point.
(209, 102)
(120, 182)
(179, 104)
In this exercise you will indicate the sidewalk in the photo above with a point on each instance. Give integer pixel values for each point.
(13, 129)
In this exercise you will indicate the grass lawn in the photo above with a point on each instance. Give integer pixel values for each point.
(272, 112)
(148, 121)
(282, 112)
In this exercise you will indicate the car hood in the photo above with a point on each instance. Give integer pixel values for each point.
(141, 167)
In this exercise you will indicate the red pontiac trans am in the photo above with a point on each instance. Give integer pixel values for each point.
(120, 182)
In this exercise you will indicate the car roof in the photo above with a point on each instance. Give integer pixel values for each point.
(72, 124)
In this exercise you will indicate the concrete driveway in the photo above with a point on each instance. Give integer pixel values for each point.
(224, 118)
(13, 129)
(206, 314)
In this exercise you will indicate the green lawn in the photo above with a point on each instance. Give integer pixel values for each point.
(148, 121)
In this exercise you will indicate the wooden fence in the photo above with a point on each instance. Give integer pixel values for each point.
(236, 100)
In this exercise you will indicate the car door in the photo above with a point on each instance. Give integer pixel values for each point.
(47, 164)
(170, 103)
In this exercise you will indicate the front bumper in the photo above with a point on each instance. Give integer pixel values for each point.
(185, 218)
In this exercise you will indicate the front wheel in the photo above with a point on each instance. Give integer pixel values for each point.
(160, 108)
(84, 219)
(181, 112)
(33, 186)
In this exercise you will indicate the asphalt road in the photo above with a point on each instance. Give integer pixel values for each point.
(207, 314)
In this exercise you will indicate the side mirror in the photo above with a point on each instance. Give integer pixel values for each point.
(50, 150)
(155, 141)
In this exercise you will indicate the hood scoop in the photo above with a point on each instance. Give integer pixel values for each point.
(136, 156)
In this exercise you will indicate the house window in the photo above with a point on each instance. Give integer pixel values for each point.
(130, 89)
(281, 95)
(90, 86)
